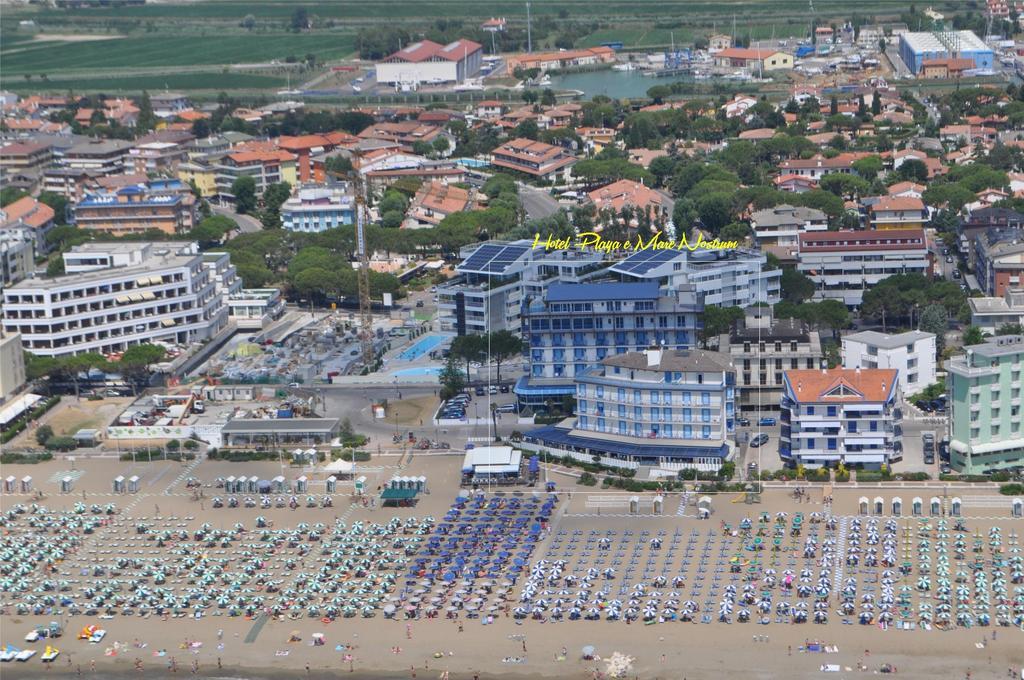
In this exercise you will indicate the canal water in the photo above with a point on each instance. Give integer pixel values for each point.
(618, 84)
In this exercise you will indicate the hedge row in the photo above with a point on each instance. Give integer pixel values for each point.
(25, 458)
(18, 425)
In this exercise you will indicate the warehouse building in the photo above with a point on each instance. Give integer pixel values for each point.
(917, 48)
(428, 62)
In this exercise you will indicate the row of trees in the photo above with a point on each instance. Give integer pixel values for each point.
(133, 364)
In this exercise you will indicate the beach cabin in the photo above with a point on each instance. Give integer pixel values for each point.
(230, 484)
(659, 504)
(704, 508)
(879, 505)
(252, 484)
(360, 484)
(935, 506)
(897, 506)
(119, 485)
(634, 505)
(917, 507)
(66, 484)
(1017, 508)
(492, 465)
(10, 484)
(955, 506)
(26, 484)
(278, 484)
(301, 484)
(332, 484)
(133, 484)
(862, 505)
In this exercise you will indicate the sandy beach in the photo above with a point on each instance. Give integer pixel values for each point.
(257, 646)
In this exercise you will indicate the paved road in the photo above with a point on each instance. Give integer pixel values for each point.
(538, 203)
(246, 223)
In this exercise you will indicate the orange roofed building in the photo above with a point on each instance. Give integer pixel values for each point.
(537, 159)
(435, 201)
(847, 416)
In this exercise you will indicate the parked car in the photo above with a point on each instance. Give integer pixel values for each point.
(767, 421)
(923, 405)
(759, 440)
(744, 422)
(479, 390)
(493, 389)
(419, 303)
(945, 469)
(949, 259)
(956, 273)
(504, 389)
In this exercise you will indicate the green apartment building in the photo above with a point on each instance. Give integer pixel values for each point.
(986, 421)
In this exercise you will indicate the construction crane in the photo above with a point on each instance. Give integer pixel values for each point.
(363, 275)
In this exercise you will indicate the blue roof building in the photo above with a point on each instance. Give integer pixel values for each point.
(574, 327)
(672, 409)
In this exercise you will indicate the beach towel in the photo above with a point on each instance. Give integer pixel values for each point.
(830, 668)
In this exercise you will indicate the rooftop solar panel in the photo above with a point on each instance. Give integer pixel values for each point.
(493, 259)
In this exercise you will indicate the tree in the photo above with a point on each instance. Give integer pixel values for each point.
(441, 144)
(868, 167)
(796, 286)
(934, 319)
(211, 231)
(469, 348)
(876, 104)
(146, 120)
(715, 210)
(972, 336)
(834, 314)
(547, 97)
(244, 191)
(81, 363)
(843, 185)
(300, 19)
(201, 128)
(275, 195)
(339, 165)
(421, 148)
(451, 378)
(912, 169)
(833, 107)
(137, 359)
(58, 203)
(659, 93)
(735, 231)
(43, 434)
(504, 345)
(9, 195)
(718, 320)
(1010, 329)
(392, 219)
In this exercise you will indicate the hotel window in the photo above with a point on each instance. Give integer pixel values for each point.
(851, 426)
(638, 413)
(705, 415)
(622, 427)
(705, 432)
(655, 413)
(831, 444)
(687, 432)
(666, 397)
(637, 398)
(668, 430)
(622, 410)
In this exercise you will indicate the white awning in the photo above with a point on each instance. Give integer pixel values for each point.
(864, 458)
(339, 465)
(17, 407)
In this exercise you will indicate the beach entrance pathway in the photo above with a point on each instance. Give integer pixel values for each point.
(257, 626)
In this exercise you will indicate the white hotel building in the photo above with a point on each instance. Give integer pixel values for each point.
(119, 294)
(912, 354)
(844, 264)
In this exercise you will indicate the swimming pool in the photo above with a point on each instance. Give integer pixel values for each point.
(471, 162)
(424, 346)
(417, 372)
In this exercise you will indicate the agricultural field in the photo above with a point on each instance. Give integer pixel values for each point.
(214, 81)
(52, 58)
(396, 9)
